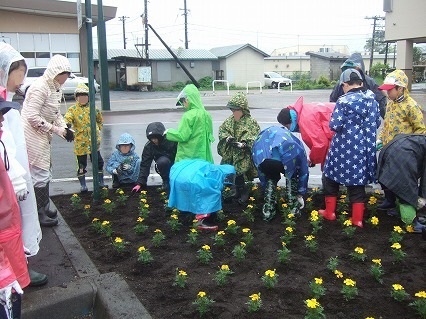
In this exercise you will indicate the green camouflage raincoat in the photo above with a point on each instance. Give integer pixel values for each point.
(244, 130)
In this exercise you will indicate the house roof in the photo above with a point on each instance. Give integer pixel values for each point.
(159, 54)
(328, 55)
(224, 52)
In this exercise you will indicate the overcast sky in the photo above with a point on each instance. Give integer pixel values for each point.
(266, 24)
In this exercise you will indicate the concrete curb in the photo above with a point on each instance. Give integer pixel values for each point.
(106, 296)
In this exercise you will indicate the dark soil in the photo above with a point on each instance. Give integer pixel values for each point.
(153, 283)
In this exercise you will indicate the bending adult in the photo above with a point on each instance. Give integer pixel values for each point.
(356, 62)
(41, 117)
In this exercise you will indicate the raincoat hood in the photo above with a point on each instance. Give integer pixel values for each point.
(126, 138)
(155, 129)
(239, 102)
(8, 55)
(191, 93)
(354, 61)
(57, 64)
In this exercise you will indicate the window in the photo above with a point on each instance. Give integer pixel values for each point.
(44, 55)
(28, 55)
(192, 64)
(220, 75)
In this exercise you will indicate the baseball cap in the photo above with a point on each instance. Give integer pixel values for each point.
(395, 78)
(5, 106)
(350, 75)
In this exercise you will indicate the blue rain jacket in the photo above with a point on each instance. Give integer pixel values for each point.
(196, 186)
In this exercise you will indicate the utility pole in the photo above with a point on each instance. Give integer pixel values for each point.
(123, 19)
(185, 13)
(375, 18)
(145, 24)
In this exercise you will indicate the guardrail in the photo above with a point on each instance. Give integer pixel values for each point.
(225, 81)
(257, 82)
(291, 85)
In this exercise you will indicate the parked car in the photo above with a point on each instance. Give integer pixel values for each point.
(273, 78)
(67, 89)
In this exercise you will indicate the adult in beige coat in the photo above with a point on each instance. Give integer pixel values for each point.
(41, 118)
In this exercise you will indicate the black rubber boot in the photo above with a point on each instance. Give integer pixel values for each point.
(115, 182)
(51, 210)
(242, 190)
(43, 203)
(101, 180)
(37, 279)
(83, 186)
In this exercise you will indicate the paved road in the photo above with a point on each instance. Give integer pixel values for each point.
(132, 111)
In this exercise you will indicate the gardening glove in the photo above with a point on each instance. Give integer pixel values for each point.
(379, 145)
(239, 144)
(22, 194)
(6, 297)
(301, 201)
(165, 132)
(124, 166)
(230, 139)
(138, 188)
(421, 202)
(69, 135)
(60, 131)
(310, 164)
(116, 171)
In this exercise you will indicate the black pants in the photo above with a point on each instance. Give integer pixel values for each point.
(272, 169)
(16, 307)
(82, 163)
(162, 167)
(356, 193)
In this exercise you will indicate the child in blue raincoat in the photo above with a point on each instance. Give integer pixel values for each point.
(124, 162)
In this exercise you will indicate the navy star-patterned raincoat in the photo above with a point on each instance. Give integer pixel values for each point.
(351, 159)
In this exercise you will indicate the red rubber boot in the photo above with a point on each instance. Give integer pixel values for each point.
(330, 208)
(357, 214)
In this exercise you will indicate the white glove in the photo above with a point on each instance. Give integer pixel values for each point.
(230, 139)
(301, 201)
(240, 144)
(421, 202)
(6, 297)
(22, 194)
(165, 132)
(126, 166)
(379, 145)
(114, 171)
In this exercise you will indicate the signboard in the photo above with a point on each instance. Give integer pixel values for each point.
(79, 15)
(144, 74)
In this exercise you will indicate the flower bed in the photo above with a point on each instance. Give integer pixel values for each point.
(290, 267)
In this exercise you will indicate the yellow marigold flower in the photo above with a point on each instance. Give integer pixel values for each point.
(409, 228)
(224, 267)
(227, 189)
(86, 206)
(251, 199)
(143, 192)
(140, 219)
(377, 261)
(312, 303)
(349, 282)
(270, 273)
(359, 250)
(193, 230)
(315, 189)
(174, 216)
(206, 247)
(231, 222)
(420, 294)
(314, 213)
(143, 200)
(397, 287)
(369, 318)
(255, 297)
(283, 244)
(157, 231)
(347, 223)
(284, 205)
(290, 216)
(254, 188)
(344, 212)
(289, 229)
(246, 230)
(107, 201)
(141, 249)
(396, 246)
(309, 199)
(118, 240)
(182, 273)
(338, 273)
(221, 233)
(397, 229)
(94, 220)
(201, 294)
(74, 195)
(343, 196)
(310, 237)
(146, 206)
(194, 221)
(314, 218)
(374, 220)
(318, 281)
(166, 201)
(249, 206)
(105, 223)
(242, 243)
(163, 193)
(121, 192)
(175, 210)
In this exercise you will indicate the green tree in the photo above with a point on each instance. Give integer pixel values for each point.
(417, 56)
(379, 42)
